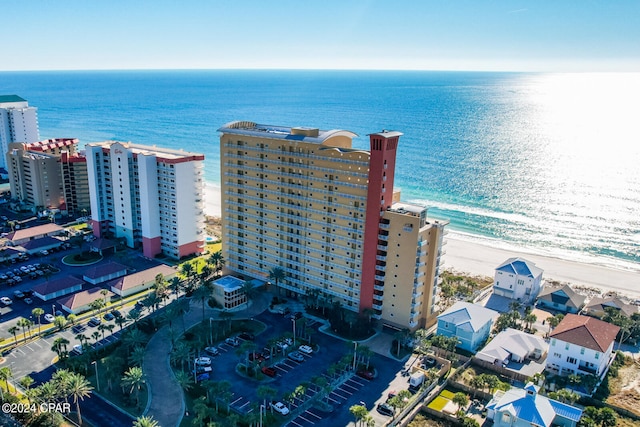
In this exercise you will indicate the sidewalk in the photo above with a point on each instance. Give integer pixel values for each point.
(166, 398)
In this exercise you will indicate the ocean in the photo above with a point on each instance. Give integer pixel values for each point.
(541, 163)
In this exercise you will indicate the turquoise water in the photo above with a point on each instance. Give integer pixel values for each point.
(539, 162)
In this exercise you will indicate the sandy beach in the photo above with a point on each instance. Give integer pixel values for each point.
(479, 259)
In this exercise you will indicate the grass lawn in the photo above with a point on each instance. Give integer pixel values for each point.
(438, 403)
(82, 259)
(448, 394)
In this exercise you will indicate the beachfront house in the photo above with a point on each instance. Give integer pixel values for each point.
(519, 407)
(597, 306)
(581, 345)
(471, 323)
(562, 299)
(518, 279)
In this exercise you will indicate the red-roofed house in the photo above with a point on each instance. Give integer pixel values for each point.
(23, 235)
(58, 287)
(81, 301)
(141, 280)
(104, 272)
(581, 345)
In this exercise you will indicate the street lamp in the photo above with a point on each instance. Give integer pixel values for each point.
(53, 310)
(95, 365)
(262, 407)
(355, 351)
(293, 320)
(210, 330)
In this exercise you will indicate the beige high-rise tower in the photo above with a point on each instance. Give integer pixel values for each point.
(304, 200)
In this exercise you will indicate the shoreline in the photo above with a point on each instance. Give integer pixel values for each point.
(481, 259)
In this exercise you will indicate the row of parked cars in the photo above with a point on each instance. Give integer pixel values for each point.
(31, 271)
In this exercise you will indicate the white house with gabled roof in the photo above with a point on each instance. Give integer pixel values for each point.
(518, 279)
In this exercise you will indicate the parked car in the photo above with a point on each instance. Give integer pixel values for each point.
(294, 355)
(6, 300)
(202, 369)
(94, 321)
(18, 294)
(202, 377)
(246, 336)
(28, 301)
(365, 374)
(77, 349)
(76, 329)
(116, 313)
(266, 353)
(305, 349)
(203, 361)
(280, 408)
(233, 341)
(269, 371)
(109, 317)
(212, 351)
(49, 317)
(385, 409)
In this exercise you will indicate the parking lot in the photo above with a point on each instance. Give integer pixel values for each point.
(290, 373)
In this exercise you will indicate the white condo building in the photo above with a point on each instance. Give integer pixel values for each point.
(152, 197)
(18, 123)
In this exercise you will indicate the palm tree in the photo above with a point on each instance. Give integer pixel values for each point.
(120, 321)
(201, 409)
(60, 346)
(175, 284)
(136, 357)
(5, 374)
(37, 312)
(358, 412)
(14, 330)
(460, 399)
(181, 353)
(26, 382)
(95, 335)
(133, 338)
(102, 327)
(184, 380)
(23, 323)
(276, 274)
(134, 380)
(134, 315)
(60, 322)
(78, 388)
(202, 294)
(144, 421)
(217, 261)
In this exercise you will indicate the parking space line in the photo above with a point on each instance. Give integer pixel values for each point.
(345, 391)
(357, 382)
(242, 406)
(240, 398)
(350, 386)
(309, 421)
(315, 415)
(294, 422)
(333, 400)
(339, 395)
(36, 344)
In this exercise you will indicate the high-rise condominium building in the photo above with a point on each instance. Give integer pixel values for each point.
(303, 200)
(152, 197)
(18, 123)
(49, 174)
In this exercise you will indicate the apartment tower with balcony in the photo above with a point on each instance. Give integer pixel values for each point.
(18, 123)
(304, 200)
(152, 197)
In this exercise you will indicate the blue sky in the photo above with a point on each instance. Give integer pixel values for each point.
(515, 35)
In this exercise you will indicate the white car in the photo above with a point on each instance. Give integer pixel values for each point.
(49, 317)
(77, 349)
(6, 300)
(280, 407)
(305, 349)
(203, 361)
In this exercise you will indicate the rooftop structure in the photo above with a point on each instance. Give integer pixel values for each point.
(586, 332)
(518, 279)
(598, 306)
(81, 301)
(304, 200)
(562, 299)
(23, 235)
(141, 280)
(513, 345)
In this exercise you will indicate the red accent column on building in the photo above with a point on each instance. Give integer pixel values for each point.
(151, 246)
(96, 227)
(382, 166)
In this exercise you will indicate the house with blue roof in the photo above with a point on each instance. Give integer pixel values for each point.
(518, 279)
(470, 323)
(519, 407)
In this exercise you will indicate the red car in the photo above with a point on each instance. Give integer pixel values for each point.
(365, 374)
(271, 372)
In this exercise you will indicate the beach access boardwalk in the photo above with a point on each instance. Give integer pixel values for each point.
(166, 403)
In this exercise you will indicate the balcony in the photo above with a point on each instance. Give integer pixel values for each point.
(419, 275)
(382, 248)
(588, 370)
(381, 258)
(377, 306)
(381, 267)
(378, 287)
(380, 278)
(383, 237)
(378, 297)
(384, 226)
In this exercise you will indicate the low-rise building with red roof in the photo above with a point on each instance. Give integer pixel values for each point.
(138, 282)
(581, 345)
(58, 287)
(81, 301)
